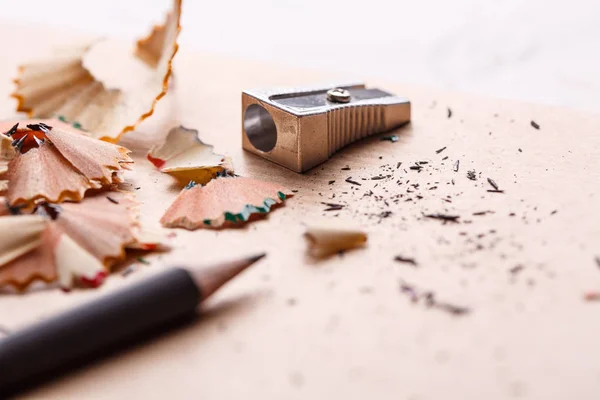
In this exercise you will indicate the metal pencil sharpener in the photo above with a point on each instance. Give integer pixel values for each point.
(301, 128)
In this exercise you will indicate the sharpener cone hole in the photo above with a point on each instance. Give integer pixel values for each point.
(260, 128)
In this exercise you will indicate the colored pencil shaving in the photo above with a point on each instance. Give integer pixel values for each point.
(223, 202)
(185, 157)
(55, 162)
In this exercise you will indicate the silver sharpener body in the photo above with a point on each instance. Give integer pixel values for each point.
(301, 128)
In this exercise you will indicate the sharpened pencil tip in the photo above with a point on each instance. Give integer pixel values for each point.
(210, 279)
(257, 257)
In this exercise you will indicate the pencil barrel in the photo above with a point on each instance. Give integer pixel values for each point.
(83, 333)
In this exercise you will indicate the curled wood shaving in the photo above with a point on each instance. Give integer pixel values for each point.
(71, 85)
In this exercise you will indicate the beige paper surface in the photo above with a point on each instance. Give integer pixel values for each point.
(341, 329)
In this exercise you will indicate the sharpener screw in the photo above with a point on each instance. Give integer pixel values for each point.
(338, 95)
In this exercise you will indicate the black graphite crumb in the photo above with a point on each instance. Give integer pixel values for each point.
(333, 206)
(443, 217)
(349, 180)
(516, 269)
(406, 260)
(492, 183)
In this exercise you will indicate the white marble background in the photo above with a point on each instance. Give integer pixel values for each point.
(543, 51)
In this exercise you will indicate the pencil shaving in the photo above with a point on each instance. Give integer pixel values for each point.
(55, 162)
(102, 224)
(223, 202)
(72, 243)
(45, 174)
(184, 156)
(150, 49)
(7, 153)
(97, 160)
(36, 264)
(326, 239)
(19, 235)
(67, 85)
(73, 262)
